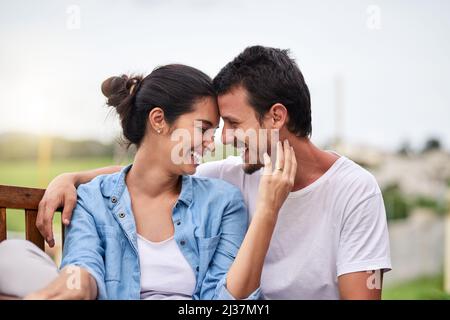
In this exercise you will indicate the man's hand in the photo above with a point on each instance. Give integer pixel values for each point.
(61, 192)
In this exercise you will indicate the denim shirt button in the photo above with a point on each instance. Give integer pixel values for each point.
(121, 215)
(178, 223)
(197, 268)
(113, 199)
(182, 242)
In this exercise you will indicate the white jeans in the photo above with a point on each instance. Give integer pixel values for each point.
(24, 268)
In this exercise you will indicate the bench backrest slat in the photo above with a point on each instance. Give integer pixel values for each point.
(2, 224)
(27, 199)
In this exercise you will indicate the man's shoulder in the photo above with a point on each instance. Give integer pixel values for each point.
(353, 176)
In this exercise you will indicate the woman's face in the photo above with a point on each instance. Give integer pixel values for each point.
(192, 135)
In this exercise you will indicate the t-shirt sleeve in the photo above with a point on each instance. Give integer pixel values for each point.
(364, 240)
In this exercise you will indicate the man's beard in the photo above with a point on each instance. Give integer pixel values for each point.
(251, 168)
(248, 168)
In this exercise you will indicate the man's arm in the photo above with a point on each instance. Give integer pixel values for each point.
(364, 285)
(363, 252)
(62, 192)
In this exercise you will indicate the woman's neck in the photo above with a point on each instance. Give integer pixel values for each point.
(149, 175)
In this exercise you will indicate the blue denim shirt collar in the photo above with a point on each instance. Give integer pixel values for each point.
(119, 187)
(120, 203)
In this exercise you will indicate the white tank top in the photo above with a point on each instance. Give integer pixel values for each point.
(165, 272)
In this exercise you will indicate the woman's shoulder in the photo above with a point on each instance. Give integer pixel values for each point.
(211, 195)
(216, 191)
(214, 186)
(100, 187)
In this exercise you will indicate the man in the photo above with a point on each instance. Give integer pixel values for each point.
(331, 239)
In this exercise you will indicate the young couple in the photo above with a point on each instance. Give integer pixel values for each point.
(312, 225)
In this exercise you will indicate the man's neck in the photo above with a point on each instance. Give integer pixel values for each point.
(312, 162)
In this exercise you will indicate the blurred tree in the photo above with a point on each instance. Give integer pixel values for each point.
(432, 144)
(405, 149)
(24, 146)
(397, 206)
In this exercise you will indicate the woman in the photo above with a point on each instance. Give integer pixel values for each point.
(153, 231)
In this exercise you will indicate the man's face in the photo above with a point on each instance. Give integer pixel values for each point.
(242, 128)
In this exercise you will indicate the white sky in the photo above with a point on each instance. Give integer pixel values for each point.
(395, 78)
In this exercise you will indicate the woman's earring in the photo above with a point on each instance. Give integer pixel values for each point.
(159, 130)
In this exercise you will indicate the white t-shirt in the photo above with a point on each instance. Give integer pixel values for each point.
(165, 273)
(334, 226)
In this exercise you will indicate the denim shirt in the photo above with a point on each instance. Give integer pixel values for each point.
(210, 220)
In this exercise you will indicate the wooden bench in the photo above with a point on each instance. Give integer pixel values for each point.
(26, 199)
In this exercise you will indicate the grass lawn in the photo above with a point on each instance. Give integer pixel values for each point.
(426, 288)
(27, 174)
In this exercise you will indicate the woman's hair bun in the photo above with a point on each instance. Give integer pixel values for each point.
(113, 85)
(117, 89)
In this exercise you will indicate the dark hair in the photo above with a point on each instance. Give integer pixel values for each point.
(174, 88)
(269, 76)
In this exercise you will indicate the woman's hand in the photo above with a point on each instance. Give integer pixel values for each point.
(244, 275)
(276, 184)
(72, 283)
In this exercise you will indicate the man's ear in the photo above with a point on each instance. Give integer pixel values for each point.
(157, 120)
(278, 116)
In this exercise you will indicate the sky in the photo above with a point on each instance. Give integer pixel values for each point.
(391, 58)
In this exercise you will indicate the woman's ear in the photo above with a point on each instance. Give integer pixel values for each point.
(278, 116)
(157, 121)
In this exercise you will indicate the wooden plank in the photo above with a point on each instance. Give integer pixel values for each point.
(20, 197)
(31, 231)
(2, 224)
(3, 297)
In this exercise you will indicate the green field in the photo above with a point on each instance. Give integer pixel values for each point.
(426, 288)
(28, 174)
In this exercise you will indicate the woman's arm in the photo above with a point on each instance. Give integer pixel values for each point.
(73, 283)
(244, 276)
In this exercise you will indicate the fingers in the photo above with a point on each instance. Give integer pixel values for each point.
(293, 167)
(69, 205)
(287, 159)
(48, 224)
(44, 221)
(267, 164)
(280, 158)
